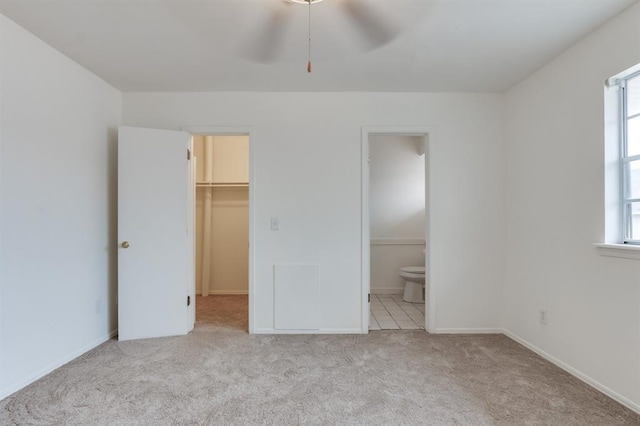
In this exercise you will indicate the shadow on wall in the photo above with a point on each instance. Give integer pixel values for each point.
(112, 217)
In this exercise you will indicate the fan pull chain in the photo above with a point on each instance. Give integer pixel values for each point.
(309, 63)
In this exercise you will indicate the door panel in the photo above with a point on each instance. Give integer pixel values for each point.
(154, 272)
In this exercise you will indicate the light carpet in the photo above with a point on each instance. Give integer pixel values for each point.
(220, 375)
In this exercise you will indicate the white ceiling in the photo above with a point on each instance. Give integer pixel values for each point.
(230, 45)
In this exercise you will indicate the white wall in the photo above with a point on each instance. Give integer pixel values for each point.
(307, 172)
(387, 257)
(556, 212)
(397, 208)
(57, 208)
(397, 181)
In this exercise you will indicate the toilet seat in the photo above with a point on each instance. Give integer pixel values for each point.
(413, 271)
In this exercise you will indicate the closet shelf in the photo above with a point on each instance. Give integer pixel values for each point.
(222, 184)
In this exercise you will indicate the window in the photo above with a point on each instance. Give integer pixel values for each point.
(630, 158)
(622, 166)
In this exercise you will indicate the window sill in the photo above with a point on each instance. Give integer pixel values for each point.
(625, 251)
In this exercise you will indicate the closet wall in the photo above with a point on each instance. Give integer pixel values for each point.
(224, 187)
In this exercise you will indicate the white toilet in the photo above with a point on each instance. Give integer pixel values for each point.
(414, 277)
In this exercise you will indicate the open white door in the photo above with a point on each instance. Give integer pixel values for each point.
(154, 246)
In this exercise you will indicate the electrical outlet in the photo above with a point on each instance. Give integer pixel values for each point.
(275, 223)
(544, 317)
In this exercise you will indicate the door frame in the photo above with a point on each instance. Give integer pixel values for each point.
(239, 131)
(428, 133)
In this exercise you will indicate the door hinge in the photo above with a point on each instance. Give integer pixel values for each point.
(188, 300)
(188, 154)
(369, 298)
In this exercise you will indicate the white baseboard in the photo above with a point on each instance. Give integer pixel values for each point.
(388, 291)
(15, 387)
(469, 331)
(576, 373)
(225, 292)
(320, 331)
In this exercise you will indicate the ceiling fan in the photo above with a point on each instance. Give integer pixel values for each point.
(374, 28)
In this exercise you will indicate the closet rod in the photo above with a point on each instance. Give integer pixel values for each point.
(227, 184)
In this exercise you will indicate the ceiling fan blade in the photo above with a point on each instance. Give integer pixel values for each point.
(376, 29)
(265, 44)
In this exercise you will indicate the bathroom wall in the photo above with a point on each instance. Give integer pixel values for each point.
(229, 261)
(58, 131)
(397, 208)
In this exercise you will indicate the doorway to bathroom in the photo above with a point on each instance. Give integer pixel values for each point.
(222, 186)
(395, 229)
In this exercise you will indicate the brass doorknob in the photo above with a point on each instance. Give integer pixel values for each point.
(125, 244)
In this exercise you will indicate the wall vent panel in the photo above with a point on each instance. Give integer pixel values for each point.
(296, 297)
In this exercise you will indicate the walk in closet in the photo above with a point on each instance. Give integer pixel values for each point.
(222, 214)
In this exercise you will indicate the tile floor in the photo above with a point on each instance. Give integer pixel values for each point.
(390, 312)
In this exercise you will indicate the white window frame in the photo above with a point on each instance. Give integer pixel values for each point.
(615, 243)
(625, 191)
